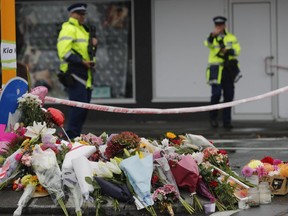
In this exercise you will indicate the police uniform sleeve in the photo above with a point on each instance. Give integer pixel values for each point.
(64, 45)
(209, 41)
(235, 47)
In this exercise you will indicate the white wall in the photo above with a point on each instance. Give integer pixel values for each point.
(283, 55)
(179, 56)
(179, 28)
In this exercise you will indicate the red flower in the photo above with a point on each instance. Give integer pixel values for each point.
(267, 159)
(213, 184)
(154, 179)
(176, 141)
(215, 172)
(223, 152)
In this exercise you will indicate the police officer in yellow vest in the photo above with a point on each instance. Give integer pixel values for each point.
(223, 70)
(76, 65)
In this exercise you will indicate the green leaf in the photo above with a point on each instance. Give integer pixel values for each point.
(88, 180)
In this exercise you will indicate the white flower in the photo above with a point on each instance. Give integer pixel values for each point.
(29, 99)
(113, 166)
(198, 157)
(272, 173)
(165, 142)
(101, 170)
(38, 129)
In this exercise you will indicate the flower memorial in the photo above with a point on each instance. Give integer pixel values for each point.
(268, 169)
(156, 175)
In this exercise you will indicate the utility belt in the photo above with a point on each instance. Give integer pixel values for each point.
(68, 79)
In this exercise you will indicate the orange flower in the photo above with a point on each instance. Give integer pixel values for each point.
(284, 170)
(40, 188)
(268, 167)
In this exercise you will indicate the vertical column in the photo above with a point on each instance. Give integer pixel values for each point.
(8, 40)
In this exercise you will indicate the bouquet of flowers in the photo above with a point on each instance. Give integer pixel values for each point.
(267, 166)
(162, 176)
(165, 196)
(48, 172)
(31, 184)
(30, 108)
(119, 142)
(268, 169)
(174, 139)
(219, 186)
(219, 159)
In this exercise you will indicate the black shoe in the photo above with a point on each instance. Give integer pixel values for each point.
(228, 126)
(214, 124)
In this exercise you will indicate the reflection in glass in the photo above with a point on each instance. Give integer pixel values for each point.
(38, 25)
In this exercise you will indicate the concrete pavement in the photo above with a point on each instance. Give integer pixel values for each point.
(242, 129)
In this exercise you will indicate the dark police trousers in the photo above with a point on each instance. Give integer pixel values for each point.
(77, 116)
(227, 86)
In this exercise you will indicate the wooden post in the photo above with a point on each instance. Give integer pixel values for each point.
(8, 40)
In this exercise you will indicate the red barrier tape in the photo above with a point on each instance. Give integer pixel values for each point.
(163, 111)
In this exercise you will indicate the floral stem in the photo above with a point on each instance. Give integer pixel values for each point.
(186, 205)
(61, 203)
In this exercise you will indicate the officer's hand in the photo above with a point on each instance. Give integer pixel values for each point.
(223, 50)
(88, 64)
(216, 31)
(94, 42)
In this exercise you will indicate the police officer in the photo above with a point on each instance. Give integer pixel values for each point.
(76, 64)
(222, 70)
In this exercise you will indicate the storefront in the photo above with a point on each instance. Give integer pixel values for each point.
(151, 52)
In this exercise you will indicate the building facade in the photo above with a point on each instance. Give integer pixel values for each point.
(151, 52)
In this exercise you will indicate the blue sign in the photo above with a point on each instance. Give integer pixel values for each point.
(14, 89)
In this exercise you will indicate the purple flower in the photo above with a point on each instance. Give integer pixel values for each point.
(247, 171)
(276, 161)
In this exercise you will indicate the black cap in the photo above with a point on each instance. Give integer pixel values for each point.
(219, 20)
(77, 7)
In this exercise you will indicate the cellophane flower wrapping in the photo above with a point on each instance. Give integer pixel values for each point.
(133, 168)
(45, 166)
(186, 173)
(82, 169)
(69, 176)
(9, 168)
(163, 169)
(26, 196)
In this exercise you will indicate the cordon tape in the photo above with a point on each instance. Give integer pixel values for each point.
(163, 111)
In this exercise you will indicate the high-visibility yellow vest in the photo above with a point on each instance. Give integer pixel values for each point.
(73, 39)
(215, 61)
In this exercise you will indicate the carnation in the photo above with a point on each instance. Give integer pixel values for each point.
(277, 162)
(267, 159)
(261, 171)
(247, 171)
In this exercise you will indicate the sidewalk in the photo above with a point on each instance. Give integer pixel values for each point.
(242, 129)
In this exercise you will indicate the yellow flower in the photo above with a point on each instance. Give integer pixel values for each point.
(29, 179)
(254, 164)
(170, 135)
(26, 179)
(143, 145)
(83, 142)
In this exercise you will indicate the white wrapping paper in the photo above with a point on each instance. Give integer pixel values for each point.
(77, 151)
(82, 170)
